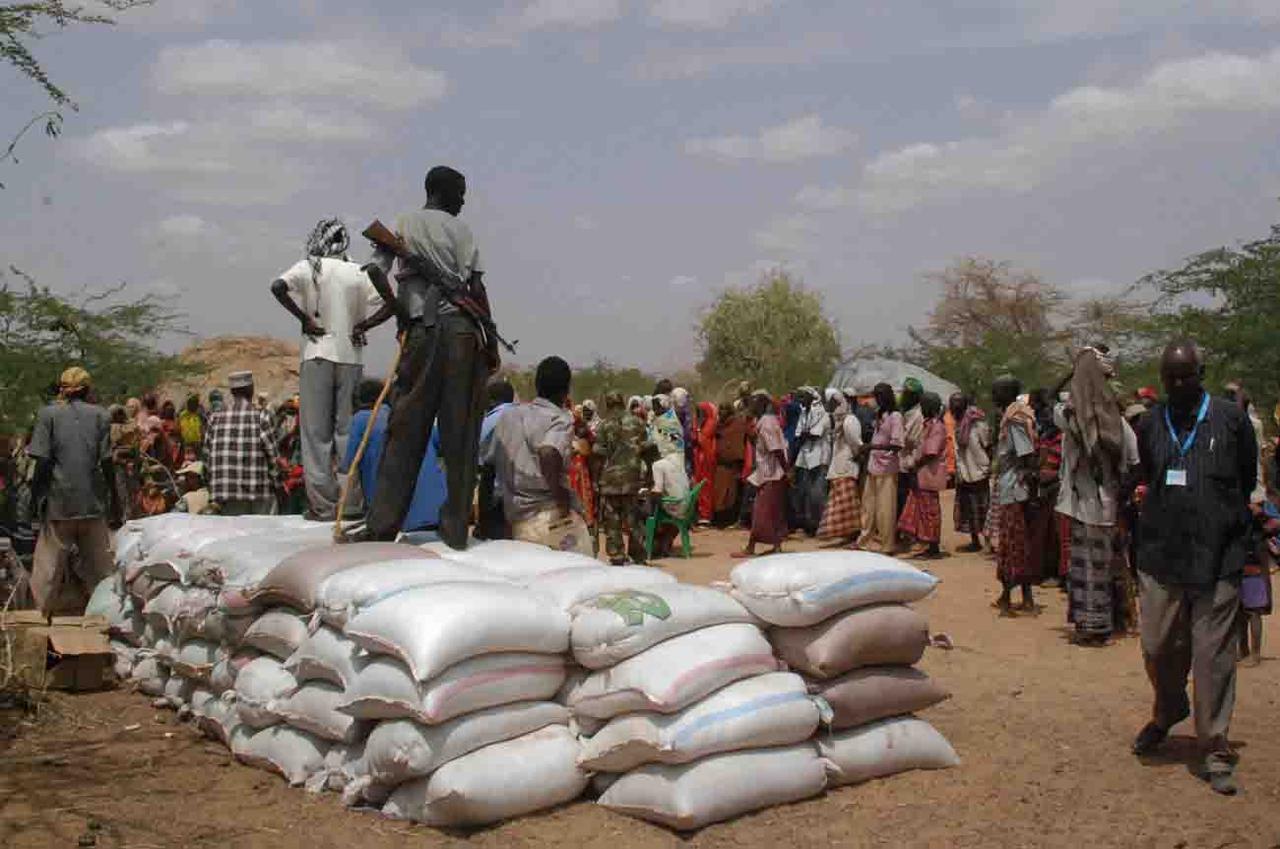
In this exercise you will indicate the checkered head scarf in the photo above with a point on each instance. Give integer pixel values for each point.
(328, 238)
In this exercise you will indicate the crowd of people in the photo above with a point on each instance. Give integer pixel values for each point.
(1151, 515)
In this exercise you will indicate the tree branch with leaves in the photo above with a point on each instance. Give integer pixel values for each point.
(21, 25)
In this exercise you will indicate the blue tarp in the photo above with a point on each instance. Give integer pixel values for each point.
(430, 492)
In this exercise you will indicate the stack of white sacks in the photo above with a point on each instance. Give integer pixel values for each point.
(463, 688)
(691, 720)
(842, 620)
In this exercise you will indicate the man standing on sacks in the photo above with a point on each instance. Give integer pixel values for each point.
(445, 360)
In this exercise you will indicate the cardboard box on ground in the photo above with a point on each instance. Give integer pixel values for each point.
(71, 653)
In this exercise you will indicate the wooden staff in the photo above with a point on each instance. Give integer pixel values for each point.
(364, 440)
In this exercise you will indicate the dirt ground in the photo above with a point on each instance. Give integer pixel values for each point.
(1043, 728)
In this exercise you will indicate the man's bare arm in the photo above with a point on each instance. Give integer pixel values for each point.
(309, 325)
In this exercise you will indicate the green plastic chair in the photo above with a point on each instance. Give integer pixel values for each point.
(662, 517)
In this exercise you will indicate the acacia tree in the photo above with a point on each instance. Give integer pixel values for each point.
(1227, 299)
(990, 319)
(20, 25)
(113, 337)
(773, 334)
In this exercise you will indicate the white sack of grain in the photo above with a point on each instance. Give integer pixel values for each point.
(258, 685)
(195, 659)
(384, 689)
(674, 674)
(313, 708)
(432, 628)
(124, 656)
(514, 559)
(884, 748)
(216, 717)
(401, 750)
(292, 753)
(572, 586)
(236, 567)
(509, 779)
(342, 595)
(277, 632)
(163, 608)
(325, 655)
(149, 675)
(617, 625)
(796, 590)
(110, 601)
(295, 579)
(340, 764)
(177, 692)
(228, 665)
(768, 710)
(719, 787)
(191, 620)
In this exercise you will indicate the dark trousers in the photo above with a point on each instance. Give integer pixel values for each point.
(809, 498)
(440, 382)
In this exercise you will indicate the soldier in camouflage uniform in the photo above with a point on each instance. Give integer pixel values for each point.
(619, 450)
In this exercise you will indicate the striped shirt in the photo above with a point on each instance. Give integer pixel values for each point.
(240, 445)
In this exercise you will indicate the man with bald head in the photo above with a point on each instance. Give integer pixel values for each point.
(1199, 461)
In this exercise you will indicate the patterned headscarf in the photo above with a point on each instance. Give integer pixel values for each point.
(328, 239)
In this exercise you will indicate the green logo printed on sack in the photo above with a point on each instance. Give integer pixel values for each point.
(632, 605)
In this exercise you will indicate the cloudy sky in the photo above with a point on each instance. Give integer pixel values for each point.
(629, 158)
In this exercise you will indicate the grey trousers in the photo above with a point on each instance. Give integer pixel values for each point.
(326, 400)
(61, 583)
(1192, 630)
(440, 383)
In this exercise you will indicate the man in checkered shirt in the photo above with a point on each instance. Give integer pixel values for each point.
(240, 445)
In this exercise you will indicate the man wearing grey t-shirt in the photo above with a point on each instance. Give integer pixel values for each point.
(443, 367)
(71, 444)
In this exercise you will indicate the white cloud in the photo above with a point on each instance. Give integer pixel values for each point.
(787, 235)
(683, 281)
(803, 138)
(168, 15)
(131, 149)
(1054, 21)
(823, 198)
(185, 226)
(568, 14)
(706, 14)
(207, 162)
(584, 222)
(373, 76)
(1077, 124)
(284, 122)
(681, 64)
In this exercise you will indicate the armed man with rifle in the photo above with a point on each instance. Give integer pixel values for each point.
(449, 347)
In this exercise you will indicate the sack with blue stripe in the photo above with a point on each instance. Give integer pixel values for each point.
(802, 589)
(767, 710)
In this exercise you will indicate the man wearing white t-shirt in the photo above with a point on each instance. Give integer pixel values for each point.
(335, 303)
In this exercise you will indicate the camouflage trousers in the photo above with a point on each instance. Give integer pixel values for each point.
(620, 514)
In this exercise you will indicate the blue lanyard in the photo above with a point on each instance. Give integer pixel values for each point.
(1184, 447)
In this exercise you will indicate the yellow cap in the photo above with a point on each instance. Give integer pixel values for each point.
(74, 378)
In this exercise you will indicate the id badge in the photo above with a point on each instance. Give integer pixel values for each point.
(1175, 477)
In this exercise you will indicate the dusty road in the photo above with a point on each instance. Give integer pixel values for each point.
(1043, 728)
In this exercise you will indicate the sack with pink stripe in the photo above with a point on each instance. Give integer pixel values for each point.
(384, 689)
